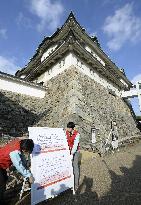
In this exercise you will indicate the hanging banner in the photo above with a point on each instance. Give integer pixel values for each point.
(51, 163)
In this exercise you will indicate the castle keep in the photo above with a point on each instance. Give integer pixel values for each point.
(78, 82)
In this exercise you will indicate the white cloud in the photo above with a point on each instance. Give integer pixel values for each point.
(8, 65)
(123, 26)
(3, 33)
(107, 2)
(23, 20)
(136, 78)
(48, 12)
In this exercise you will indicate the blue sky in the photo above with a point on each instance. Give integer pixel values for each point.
(116, 23)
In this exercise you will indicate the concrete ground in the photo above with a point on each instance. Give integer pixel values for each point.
(111, 180)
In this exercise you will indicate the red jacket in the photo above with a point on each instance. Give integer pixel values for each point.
(5, 161)
(71, 138)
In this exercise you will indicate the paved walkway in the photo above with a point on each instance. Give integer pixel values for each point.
(111, 180)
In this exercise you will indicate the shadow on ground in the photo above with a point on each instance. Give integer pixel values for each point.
(125, 190)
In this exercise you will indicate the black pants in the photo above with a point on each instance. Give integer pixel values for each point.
(3, 179)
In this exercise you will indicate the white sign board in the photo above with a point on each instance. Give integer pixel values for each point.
(51, 163)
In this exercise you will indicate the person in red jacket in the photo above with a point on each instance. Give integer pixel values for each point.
(14, 153)
(73, 138)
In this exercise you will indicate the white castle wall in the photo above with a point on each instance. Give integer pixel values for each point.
(70, 60)
(20, 87)
(93, 74)
(56, 69)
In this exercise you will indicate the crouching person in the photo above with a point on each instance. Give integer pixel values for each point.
(14, 153)
(73, 138)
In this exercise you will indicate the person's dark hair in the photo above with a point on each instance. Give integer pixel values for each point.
(70, 125)
(27, 145)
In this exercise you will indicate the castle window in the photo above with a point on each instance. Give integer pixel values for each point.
(62, 63)
(91, 71)
(79, 63)
(41, 83)
(50, 71)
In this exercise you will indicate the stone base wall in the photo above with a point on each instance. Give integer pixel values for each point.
(97, 107)
(17, 111)
(70, 96)
(73, 96)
